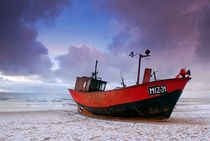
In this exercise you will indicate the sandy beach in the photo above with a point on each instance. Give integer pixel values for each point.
(189, 121)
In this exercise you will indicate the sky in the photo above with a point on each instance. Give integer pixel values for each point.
(45, 44)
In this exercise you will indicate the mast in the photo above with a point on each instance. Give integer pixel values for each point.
(123, 82)
(94, 74)
(96, 69)
(147, 52)
(138, 74)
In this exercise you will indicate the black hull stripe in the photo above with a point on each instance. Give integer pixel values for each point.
(158, 107)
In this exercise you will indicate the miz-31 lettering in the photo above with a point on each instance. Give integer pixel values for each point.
(157, 90)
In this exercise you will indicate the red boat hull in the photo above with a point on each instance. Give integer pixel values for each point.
(134, 101)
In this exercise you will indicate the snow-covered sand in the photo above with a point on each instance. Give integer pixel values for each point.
(187, 122)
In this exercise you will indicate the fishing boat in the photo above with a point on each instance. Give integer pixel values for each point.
(150, 99)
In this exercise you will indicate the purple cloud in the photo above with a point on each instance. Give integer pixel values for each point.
(203, 48)
(174, 31)
(177, 33)
(163, 26)
(80, 60)
(20, 51)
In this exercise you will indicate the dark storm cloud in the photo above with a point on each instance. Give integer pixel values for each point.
(163, 25)
(20, 51)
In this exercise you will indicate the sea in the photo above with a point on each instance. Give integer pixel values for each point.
(11, 101)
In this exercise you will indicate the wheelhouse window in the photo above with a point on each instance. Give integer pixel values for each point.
(102, 86)
(97, 85)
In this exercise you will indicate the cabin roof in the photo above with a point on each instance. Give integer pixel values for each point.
(91, 78)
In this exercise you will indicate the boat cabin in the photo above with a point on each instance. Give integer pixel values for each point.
(89, 84)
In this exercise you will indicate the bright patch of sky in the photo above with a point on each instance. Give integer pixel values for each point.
(31, 84)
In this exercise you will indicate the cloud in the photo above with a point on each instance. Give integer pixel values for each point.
(21, 53)
(168, 30)
(203, 49)
(176, 32)
(175, 27)
(80, 61)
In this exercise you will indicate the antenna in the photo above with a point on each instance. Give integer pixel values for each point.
(155, 76)
(123, 82)
(94, 74)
